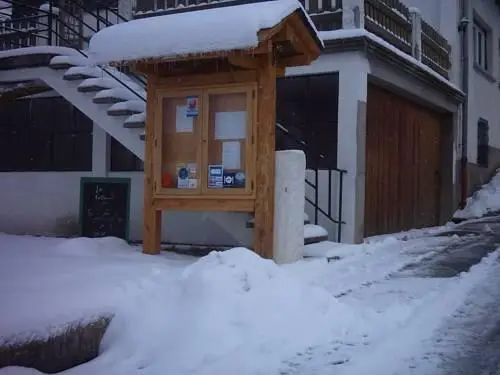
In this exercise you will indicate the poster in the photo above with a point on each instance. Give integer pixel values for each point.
(234, 179)
(215, 176)
(192, 106)
(230, 125)
(183, 123)
(231, 154)
(186, 176)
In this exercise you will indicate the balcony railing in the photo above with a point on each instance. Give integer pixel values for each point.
(394, 22)
(326, 14)
(388, 19)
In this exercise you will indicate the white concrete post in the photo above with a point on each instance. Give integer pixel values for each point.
(416, 33)
(126, 8)
(100, 152)
(353, 14)
(353, 92)
(289, 206)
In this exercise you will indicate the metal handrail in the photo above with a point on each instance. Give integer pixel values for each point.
(81, 37)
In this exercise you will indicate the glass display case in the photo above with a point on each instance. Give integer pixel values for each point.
(207, 142)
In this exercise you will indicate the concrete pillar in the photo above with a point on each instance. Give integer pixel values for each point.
(100, 152)
(353, 91)
(126, 8)
(353, 14)
(289, 206)
(416, 33)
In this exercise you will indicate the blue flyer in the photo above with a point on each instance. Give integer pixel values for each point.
(215, 176)
(192, 107)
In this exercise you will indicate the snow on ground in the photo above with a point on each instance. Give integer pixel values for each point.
(414, 343)
(485, 200)
(69, 280)
(365, 264)
(179, 315)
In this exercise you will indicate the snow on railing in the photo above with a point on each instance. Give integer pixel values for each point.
(404, 28)
(151, 6)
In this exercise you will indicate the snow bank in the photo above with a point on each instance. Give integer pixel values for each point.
(69, 281)
(14, 370)
(220, 29)
(483, 201)
(229, 313)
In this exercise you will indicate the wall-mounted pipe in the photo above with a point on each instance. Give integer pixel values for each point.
(463, 30)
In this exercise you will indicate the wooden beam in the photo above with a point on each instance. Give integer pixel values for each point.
(205, 204)
(265, 35)
(298, 60)
(151, 234)
(260, 49)
(303, 37)
(199, 80)
(265, 163)
(246, 62)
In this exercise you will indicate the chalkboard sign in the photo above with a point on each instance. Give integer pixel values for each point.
(104, 207)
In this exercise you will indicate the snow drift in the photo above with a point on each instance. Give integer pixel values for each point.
(485, 200)
(230, 312)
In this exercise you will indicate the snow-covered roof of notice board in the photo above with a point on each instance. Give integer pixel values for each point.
(197, 32)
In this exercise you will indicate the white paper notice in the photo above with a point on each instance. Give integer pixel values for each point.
(230, 125)
(183, 123)
(231, 154)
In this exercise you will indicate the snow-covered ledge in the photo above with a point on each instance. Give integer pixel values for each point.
(289, 206)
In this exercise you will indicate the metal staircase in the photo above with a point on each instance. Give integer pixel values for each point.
(113, 99)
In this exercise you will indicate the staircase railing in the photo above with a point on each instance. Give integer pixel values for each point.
(46, 25)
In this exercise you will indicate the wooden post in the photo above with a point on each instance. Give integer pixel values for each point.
(265, 163)
(151, 235)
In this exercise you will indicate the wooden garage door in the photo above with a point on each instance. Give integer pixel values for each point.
(402, 164)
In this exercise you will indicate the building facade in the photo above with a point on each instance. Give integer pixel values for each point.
(378, 116)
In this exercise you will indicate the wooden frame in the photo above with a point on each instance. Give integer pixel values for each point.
(158, 161)
(253, 72)
(251, 107)
(204, 93)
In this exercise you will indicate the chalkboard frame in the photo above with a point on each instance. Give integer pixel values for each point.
(112, 180)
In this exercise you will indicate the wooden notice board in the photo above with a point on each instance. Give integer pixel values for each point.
(104, 207)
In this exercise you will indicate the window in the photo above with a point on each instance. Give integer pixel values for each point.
(483, 141)
(122, 159)
(481, 36)
(44, 134)
(307, 112)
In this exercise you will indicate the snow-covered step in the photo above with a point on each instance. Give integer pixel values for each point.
(314, 234)
(106, 100)
(128, 108)
(66, 62)
(78, 73)
(136, 121)
(114, 95)
(96, 84)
